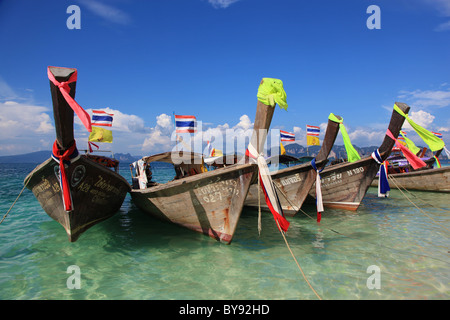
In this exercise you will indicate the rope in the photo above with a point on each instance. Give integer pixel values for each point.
(431, 218)
(14, 202)
(259, 205)
(416, 197)
(287, 244)
(350, 237)
(298, 265)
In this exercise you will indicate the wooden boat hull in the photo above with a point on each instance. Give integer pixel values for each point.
(293, 183)
(344, 185)
(97, 193)
(210, 203)
(436, 180)
(292, 186)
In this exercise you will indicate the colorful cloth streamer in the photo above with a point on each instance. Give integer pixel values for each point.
(90, 144)
(319, 203)
(352, 154)
(271, 92)
(414, 160)
(65, 158)
(428, 137)
(65, 90)
(270, 194)
(411, 146)
(447, 152)
(383, 183)
(438, 163)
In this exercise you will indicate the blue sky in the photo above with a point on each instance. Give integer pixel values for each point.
(144, 60)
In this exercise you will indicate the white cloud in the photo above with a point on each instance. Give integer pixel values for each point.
(364, 137)
(156, 140)
(164, 121)
(21, 125)
(442, 6)
(17, 119)
(421, 117)
(244, 123)
(160, 137)
(423, 102)
(106, 12)
(427, 98)
(6, 92)
(221, 3)
(443, 27)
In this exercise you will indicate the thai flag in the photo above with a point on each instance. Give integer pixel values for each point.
(101, 118)
(439, 135)
(185, 124)
(312, 131)
(287, 136)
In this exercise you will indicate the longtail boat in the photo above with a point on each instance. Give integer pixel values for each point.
(427, 178)
(293, 183)
(206, 202)
(76, 190)
(345, 184)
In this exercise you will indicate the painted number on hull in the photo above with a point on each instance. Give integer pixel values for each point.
(355, 171)
(218, 191)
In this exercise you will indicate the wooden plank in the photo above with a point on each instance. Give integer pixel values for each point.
(293, 183)
(344, 185)
(62, 112)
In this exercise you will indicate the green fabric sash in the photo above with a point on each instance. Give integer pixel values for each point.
(411, 146)
(429, 138)
(352, 154)
(271, 92)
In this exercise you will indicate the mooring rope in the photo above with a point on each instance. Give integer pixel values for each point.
(290, 250)
(298, 265)
(350, 237)
(431, 218)
(259, 204)
(416, 197)
(14, 202)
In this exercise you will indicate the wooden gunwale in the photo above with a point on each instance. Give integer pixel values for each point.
(293, 194)
(97, 192)
(351, 180)
(218, 220)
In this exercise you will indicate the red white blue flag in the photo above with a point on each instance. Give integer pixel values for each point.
(312, 130)
(439, 135)
(101, 118)
(185, 124)
(287, 136)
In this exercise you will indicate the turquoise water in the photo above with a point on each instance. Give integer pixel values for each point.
(132, 256)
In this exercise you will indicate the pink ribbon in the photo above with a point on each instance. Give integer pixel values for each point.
(414, 160)
(90, 148)
(65, 89)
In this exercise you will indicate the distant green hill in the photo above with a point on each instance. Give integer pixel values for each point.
(337, 152)
(33, 157)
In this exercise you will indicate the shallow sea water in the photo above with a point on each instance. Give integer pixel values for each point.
(132, 256)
